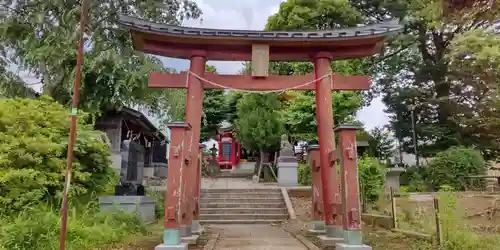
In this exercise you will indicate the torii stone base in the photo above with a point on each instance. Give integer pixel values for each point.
(182, 246)
(343, 246)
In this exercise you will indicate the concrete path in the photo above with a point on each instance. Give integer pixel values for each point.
(255, 237)
(251, 236)
(236, 183)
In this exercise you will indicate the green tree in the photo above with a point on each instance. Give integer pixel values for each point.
(214, 110)
(258, 126)
(382, 143)
(474, 61)
(450, 167)
(40, 36)
(231, 103)
(415, 68)
(371, 177)
(33, 145)
(299, 113)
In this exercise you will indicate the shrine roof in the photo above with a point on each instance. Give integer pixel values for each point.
(222, 44)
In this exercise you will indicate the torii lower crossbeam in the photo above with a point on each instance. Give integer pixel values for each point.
(273, 82)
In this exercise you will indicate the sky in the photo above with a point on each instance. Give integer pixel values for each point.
(252, 15)
(246, 15)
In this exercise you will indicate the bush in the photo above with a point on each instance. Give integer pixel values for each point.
(37, 228)
(414, 177)
(160, 202)
(304, 174)
(371, 177)
(451, 166)
(33, 148)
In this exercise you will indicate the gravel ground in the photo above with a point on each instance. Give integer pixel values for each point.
(149, 242)
(378, 239)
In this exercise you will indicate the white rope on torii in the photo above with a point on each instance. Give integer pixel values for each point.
(257, 91)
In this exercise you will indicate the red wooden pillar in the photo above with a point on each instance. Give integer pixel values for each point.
(233, 153)
(238, 157)
(318, 223)
(326, 137)
(194, 110)
(175, 185)
(350, 186)
(196, 227)
(219, 145)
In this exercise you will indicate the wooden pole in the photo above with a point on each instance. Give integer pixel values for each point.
(438, 222)
(393, 209)
(72, 130)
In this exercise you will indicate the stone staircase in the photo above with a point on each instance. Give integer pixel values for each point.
(242, 206)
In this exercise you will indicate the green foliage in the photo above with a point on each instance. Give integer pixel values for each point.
(414, 177)
(258, 126)
(382, 143)
(299, 114)
(446, 188)
(474, 59)
(160, 203)
(426, 66)
(451, 166)
(404, 189)
(37, 228)
(33, 147)
(456, 233)
(304, 174)
(314, 15)
(231, 103)
(40, 37)
(370, 171)
(417, 185)
(214, 110)
(371, 175)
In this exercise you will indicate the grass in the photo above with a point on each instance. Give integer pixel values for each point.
(38, 228)
(457, 231)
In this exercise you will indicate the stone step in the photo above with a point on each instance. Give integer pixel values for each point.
(235, 222)
(241, 175)
(241, 190)
(241, 200)
(243, 216)
(280, 204)
(243, 210)
(239, 195)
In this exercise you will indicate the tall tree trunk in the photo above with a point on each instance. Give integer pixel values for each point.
(259, 166)
(47, 87)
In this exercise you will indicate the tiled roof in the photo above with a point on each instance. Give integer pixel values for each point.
(355, 32)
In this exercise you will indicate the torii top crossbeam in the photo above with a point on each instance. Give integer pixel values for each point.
(260, 47)
(236, 45)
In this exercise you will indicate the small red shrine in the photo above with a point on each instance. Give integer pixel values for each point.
(229, 149)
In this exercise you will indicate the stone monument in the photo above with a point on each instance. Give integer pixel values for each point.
(287, 165)
(130, 194)
(392, 178)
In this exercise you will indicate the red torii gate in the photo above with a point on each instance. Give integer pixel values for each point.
(199, 45)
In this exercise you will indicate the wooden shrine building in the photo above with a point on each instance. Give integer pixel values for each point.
(138, 148)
